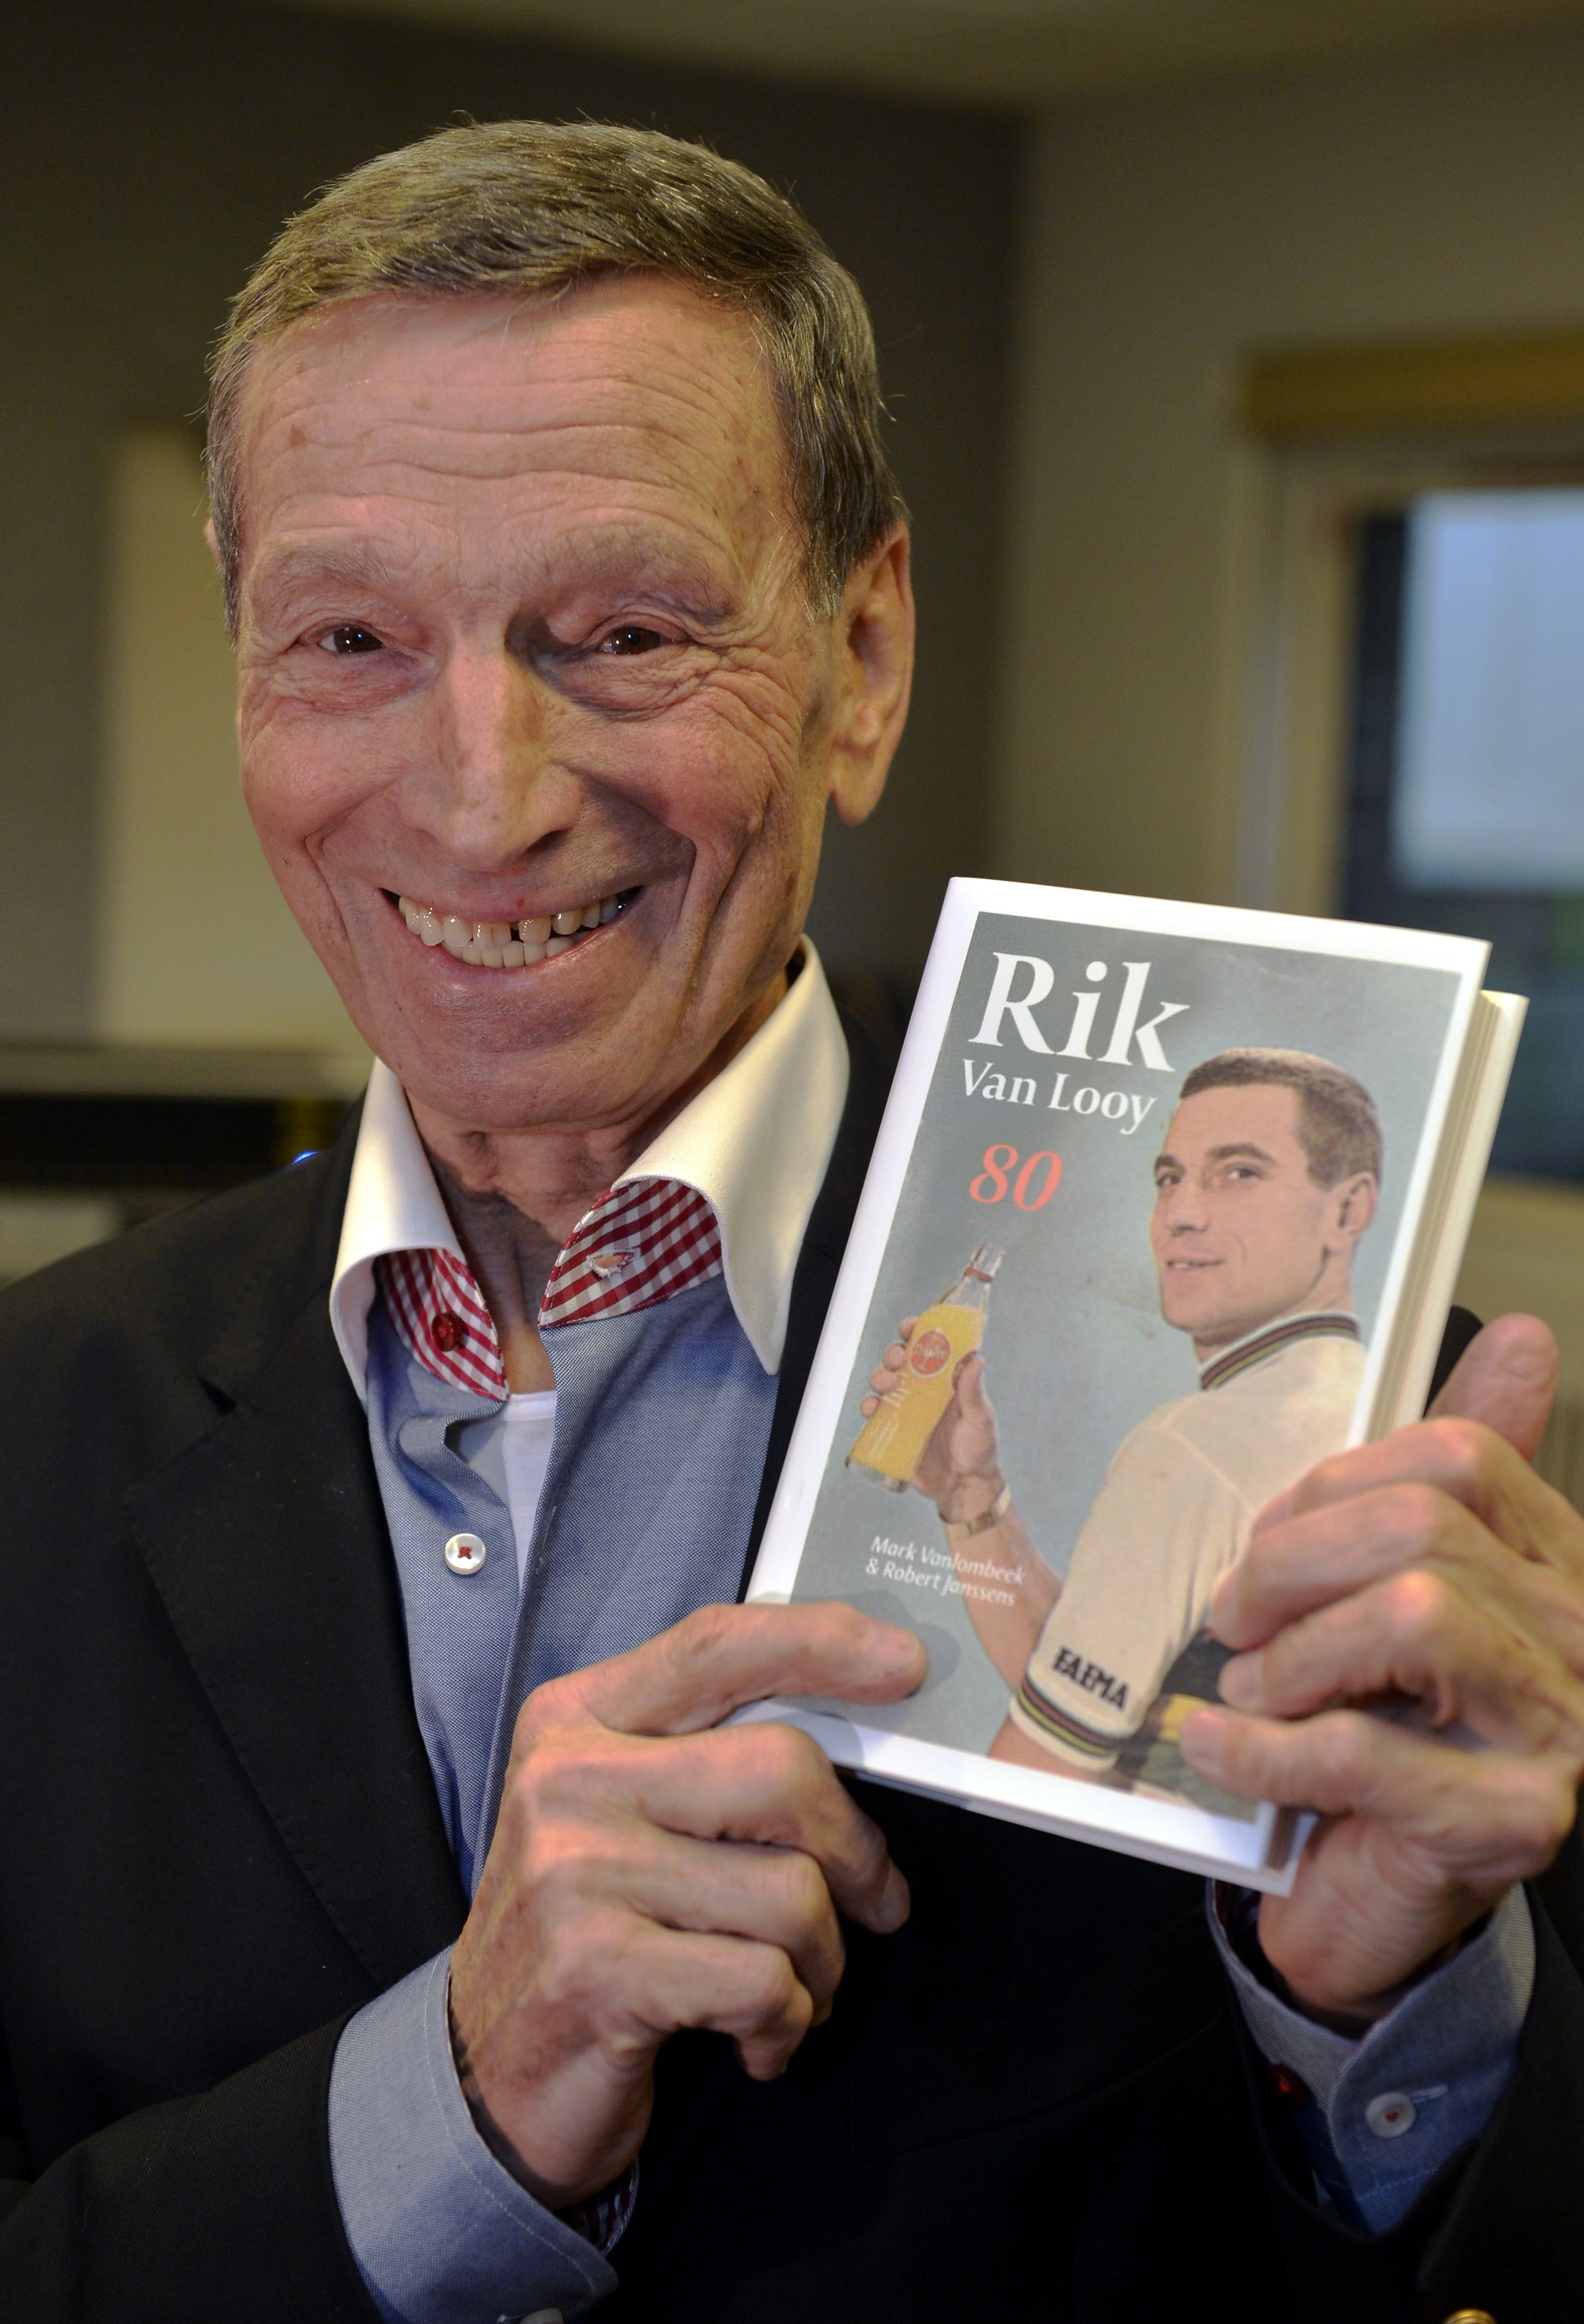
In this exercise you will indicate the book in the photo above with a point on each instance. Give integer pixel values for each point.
(1167, 1204)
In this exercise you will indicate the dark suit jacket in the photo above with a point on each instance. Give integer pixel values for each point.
(218, 1837)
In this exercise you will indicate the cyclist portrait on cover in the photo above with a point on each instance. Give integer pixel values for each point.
(1268, 1174)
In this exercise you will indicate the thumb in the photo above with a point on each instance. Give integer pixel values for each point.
(970, 1390)
(1507, 1377)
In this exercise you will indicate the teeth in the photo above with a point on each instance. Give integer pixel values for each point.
(497, 943)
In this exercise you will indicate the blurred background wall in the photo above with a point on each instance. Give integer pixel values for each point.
(1189, 319)
(1171, 235)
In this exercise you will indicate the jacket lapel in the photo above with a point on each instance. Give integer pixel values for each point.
(819, 1261)
(266, 1541)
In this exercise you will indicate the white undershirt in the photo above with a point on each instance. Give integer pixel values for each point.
(510, 1451)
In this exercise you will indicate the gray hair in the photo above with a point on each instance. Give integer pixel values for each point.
(534, 206)
(1339, 1128)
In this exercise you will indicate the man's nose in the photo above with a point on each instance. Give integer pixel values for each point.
(493, 787)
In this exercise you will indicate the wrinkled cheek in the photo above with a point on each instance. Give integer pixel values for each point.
(728, 793)
(290, 816)
(298, 782)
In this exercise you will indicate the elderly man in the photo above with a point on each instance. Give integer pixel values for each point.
(388, 1926)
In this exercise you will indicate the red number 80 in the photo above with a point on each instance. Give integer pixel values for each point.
(999, 1162)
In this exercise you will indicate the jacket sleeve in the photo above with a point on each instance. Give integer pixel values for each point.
(221, 2205)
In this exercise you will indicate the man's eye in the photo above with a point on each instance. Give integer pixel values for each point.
(349, 637)
(631, 639)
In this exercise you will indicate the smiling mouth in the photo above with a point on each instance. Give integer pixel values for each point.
(513, 944)
(1190, 1266)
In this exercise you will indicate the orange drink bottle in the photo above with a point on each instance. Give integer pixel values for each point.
(891, 1445)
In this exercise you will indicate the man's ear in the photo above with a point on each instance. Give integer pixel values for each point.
(1355, 1199)
(874, 674)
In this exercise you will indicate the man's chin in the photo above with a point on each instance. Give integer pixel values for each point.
(490, 1069)
(1209, 1327)
(1198, 1316)
(561, 1085)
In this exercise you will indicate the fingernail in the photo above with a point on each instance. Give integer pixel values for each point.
(897, 1650)
(896, 1902)
(1199, 1739)
(1242, 1680)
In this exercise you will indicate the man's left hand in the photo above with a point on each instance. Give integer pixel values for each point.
(1432, 1577)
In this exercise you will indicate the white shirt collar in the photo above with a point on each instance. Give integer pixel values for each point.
(1295, 1329)
(755, 1142)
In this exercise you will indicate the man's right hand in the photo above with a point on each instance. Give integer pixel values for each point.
(960, 1469)
(652, 1870)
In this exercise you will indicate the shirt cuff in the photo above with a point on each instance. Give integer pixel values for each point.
(441, 2233)
(1379, 2116)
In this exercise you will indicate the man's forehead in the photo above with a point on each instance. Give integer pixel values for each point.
(638, 389)
(1266, 1113)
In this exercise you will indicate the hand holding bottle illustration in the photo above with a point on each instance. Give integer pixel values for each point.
(928, 1421)
(960, 1467)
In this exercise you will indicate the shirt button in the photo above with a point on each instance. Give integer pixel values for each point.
(447, 1331)
(1391, 2114)
(466, 1553)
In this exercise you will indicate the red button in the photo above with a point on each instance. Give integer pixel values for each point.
(1291, 2088)
(447, 1331)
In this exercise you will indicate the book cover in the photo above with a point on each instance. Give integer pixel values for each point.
(1139, 1246)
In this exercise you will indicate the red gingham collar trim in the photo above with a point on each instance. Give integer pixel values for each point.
(648, 1240)
(440, 1317)
(641, 1243)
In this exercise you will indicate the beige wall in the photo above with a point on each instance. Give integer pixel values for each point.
(196, 944)
(1165, 236)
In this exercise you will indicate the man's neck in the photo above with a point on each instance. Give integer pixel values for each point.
(1330, 1293)
(514, 1197)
